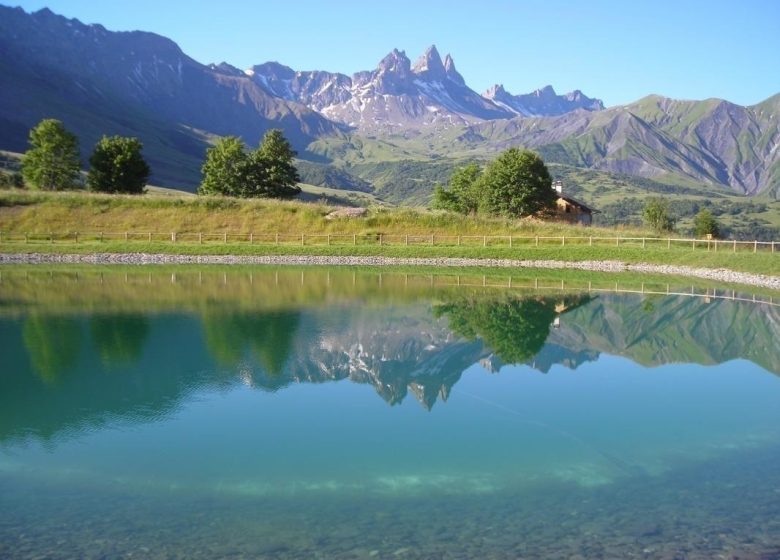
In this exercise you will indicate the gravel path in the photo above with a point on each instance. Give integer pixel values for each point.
(717, 274)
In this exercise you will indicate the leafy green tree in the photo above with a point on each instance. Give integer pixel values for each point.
(224, 169)
(658, 216)
(704, 223)
(267, 171)
(52, 162)
(463, 193)
(117, 166)
(280, 174)
(516, 184)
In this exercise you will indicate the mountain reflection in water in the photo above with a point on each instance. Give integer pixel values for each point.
(86, 346)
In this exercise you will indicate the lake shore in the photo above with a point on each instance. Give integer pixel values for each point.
(717, 274)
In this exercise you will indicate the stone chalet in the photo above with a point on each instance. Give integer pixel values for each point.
(571, 210)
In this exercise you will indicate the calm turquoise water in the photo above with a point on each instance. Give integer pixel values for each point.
(336, 414)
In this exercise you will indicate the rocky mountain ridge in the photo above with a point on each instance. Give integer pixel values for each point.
(542, 102)
(141, 84)
(397, 95)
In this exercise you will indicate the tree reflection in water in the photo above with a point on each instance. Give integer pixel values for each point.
(515, 328)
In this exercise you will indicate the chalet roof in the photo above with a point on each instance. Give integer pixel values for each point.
(577, 203)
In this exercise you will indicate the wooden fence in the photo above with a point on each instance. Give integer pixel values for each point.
(380, 239)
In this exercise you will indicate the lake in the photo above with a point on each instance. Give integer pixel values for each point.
(256, 412)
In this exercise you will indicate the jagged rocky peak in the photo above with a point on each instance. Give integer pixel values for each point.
(452, 73)
(392, 76)
(542, 102)
(430, 63)
(395, 63)
(496, 91)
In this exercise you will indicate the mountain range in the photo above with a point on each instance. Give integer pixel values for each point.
(141, 84)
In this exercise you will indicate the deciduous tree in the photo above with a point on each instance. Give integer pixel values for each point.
(224, 168)
(704, 223)
(267, 171)
(52, 162)
(463, 193)
(658, 216)
(516, 184)
(117, 166)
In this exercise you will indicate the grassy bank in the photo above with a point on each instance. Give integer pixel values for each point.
(64, 213)
(25, 211)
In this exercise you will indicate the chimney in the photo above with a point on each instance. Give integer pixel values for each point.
(558, 186)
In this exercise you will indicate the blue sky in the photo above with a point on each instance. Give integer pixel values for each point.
(618, 51)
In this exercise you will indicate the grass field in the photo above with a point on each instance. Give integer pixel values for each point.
(30, 211)
(150, 220)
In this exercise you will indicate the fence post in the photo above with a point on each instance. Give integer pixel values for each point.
(200, 237)
(563, 240)
(537, 240)
(406, 240)
(693, 244)
(716, 245)
(617, 241)
(510, 246)
(150, 237)
(459, 241)
(755, 246)
(303, 239)
(328, 240)
(276, 239)
(590, 241)
(735, 245)
(643, 243)
(432, 239)
(380, 239)
(252, 238)
(773, 246)
(484, 240)
(173, 237)
(354, 239)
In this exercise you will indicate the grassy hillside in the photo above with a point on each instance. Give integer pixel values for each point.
(89, 214)
(404, 171)
(22, 210)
